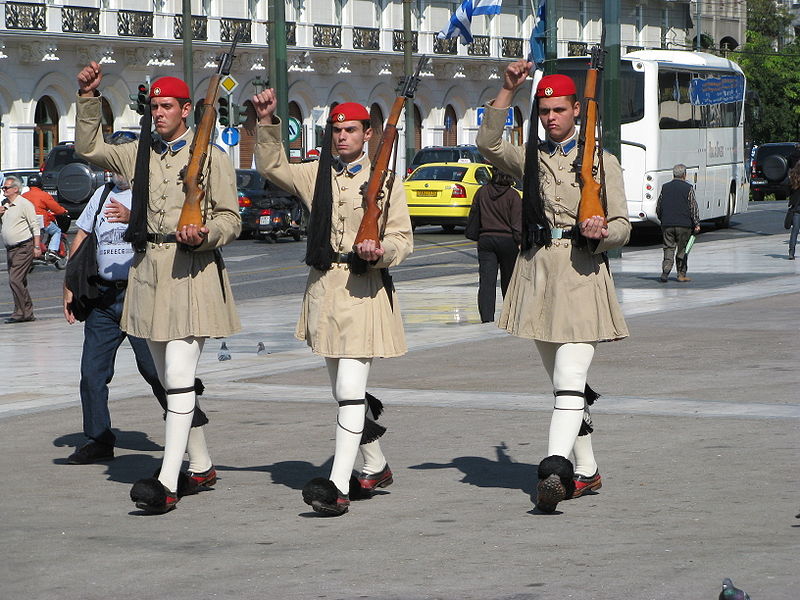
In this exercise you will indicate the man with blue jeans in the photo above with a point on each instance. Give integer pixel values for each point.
(47, 208)
(102, 333)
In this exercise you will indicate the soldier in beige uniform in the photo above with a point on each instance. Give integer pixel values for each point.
(561, 294)
(350, 313)
(178, 291)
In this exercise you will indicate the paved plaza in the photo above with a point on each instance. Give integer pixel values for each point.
(696, 438)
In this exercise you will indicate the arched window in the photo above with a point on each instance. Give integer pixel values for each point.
(516, 131)
(376, 123)
(450, 137)
(107, 116)
(45, 133)
(297, 147)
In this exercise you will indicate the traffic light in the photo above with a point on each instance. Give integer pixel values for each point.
(224, 111)
(139, 100)
(230, 115)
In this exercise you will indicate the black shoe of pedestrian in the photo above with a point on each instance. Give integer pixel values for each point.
(18, 320)
(91, 453)
(325, 498)
(663, 278)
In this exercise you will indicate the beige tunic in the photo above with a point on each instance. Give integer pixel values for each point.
(344, 315)
(173, 293)
(562, 293)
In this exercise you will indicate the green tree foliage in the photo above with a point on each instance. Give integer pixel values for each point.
(773, 77)
(768, 18)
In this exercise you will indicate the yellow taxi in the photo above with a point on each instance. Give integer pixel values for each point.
(442, 193)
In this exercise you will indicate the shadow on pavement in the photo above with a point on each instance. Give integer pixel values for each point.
(293, 474)
(487, 473)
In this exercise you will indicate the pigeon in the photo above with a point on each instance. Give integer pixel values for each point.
(731, 592)
(261, 350)
(224, 353)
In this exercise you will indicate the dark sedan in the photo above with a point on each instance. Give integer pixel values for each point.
(266, 209)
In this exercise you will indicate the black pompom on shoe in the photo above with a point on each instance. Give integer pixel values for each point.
(322, 495)
(151, 496)
(556, 482)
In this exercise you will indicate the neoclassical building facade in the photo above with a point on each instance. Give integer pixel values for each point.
(337, 50)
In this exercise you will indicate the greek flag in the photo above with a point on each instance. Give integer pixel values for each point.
(538, 35)
(461, 21)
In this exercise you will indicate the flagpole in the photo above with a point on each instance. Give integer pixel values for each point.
(551, 47)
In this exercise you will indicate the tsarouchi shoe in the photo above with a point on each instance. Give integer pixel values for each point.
(191, 483)
(556, 482)
(151, 496)
(584, 483)
(91, 453)
(325, 498)
(381, 479)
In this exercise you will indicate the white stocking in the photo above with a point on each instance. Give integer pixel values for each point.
(374, 460)
(584, 456)
(349, 384)
(568, 366)
(176, 363)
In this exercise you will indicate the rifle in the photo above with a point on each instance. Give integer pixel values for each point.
(368, 230)
(193, 186)
(592, 193)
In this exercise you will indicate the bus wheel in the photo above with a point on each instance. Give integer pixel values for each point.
(725, 222)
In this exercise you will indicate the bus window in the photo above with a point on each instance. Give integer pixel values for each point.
(675, 109)
(631, 87)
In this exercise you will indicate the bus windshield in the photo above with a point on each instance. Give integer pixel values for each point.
(631, 87)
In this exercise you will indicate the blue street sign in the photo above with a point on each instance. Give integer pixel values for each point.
(509, 116)
(230, 135)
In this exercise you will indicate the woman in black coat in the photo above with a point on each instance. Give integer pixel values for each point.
(500, 210)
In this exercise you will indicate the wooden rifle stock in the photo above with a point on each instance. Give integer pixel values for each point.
(369, 230)
(193, 187)
(591, 204)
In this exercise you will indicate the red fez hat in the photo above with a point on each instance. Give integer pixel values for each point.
(349, 111)
(553, 86)
(169, 87)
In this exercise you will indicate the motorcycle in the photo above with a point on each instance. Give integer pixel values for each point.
(57, 259)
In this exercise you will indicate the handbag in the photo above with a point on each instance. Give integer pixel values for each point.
(81, 273)
(473, 229)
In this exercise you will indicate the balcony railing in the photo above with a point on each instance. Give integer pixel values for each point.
(479, 46)
(199, 28)
(135, 23)
(577, 49)
(511, 47)
(397, 41)
(22, 15)
(229, 27)
(444, 46)
(366, 38)
(327, 36)
(80, 19)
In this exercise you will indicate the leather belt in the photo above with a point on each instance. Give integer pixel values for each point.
(343, 257)
(22, 243)
(161, 238)
(118, 284)
(557, 233)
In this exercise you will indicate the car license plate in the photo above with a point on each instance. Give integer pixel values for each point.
(426, 193)
(759, 181)
(263, 221)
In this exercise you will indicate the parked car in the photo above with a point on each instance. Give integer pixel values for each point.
(442, 193)
(267, 211)
(70, 179)
(770, 168)
(441, 154)
(23, 174)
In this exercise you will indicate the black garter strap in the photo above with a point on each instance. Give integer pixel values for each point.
(175, 412)
(568, 393)
(351, 402)
(183, 390)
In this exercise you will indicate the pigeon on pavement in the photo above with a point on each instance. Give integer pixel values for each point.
(731, 592)
(224, 353)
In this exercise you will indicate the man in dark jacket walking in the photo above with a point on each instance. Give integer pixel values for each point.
(677, 211)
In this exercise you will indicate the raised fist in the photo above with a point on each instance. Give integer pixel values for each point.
(89, 78)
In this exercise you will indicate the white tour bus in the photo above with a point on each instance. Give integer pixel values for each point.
(679, 107)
